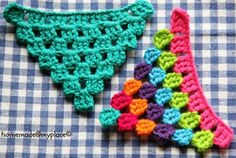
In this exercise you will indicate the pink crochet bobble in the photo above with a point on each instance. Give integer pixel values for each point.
(127, 122)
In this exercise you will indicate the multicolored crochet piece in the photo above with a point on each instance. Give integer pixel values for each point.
(165, 99)
(79, 49)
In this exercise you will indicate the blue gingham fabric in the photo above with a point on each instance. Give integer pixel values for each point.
(46, 123)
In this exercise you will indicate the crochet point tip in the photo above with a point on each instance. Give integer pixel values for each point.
(181, 12)
(8, 14)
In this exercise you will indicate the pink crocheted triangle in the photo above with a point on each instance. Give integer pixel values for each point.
(165, 99)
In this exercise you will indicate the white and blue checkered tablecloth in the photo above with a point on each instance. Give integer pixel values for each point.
(30, 102)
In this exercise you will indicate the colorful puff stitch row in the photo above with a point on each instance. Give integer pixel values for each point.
(165, 99)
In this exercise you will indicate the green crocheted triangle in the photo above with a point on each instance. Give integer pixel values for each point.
(80, 49)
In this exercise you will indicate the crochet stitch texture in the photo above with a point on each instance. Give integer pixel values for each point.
(169, 102)
(80, 49)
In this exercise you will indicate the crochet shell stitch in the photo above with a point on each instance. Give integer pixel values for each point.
(79, 49)
(169, 101)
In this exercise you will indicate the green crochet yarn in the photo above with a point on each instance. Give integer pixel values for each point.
(172, 80)
(80, 49)
(179, 100)
(162, 38)
(203, 140)
(166, 60)
(108, 117)
(189, 120)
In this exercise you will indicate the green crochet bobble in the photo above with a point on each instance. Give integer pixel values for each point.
(179, 100)
(162, 38)
(203, 140)
(172, 80)
(189, 120)
(79, 49)
(166, 60)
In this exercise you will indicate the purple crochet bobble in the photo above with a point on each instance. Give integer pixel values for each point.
(163, 133)
(154, 111)
(141, 70)
(147, 91)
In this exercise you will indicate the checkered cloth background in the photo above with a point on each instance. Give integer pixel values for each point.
(30, 102)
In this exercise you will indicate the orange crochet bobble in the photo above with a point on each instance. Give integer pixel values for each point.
(132, 86)
(138, 106)
(145, 127)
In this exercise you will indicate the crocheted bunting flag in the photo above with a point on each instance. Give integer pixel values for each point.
(80, 49)
(165, 99)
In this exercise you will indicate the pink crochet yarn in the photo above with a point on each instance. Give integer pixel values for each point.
(127, 122)
(223, 134)
(120, 101)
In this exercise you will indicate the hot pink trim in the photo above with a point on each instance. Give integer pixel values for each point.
(185, 64)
